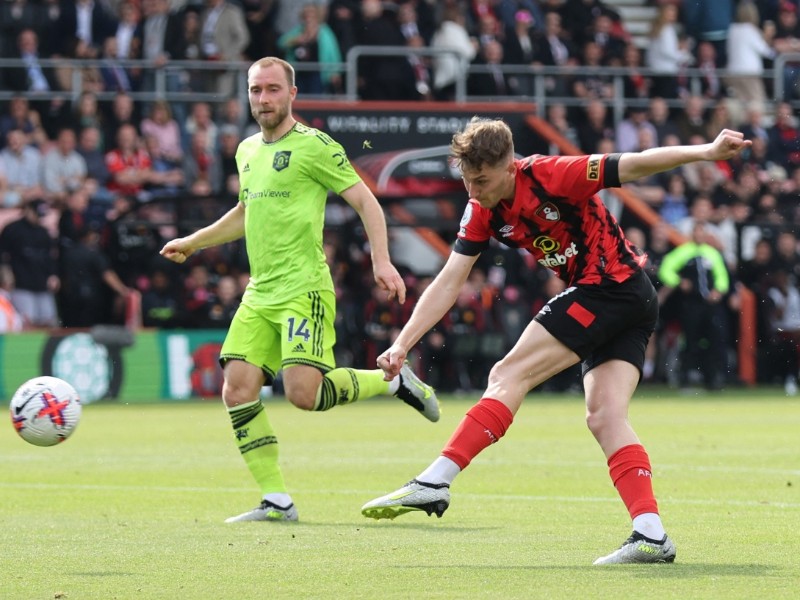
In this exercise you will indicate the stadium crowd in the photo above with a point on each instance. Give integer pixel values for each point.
(95, 187)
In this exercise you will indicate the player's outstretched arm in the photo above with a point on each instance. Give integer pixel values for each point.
(227, 228)
(635, 165)
(435, 301)
(369, 210)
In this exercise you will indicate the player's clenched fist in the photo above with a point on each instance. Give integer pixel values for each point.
(177, 250)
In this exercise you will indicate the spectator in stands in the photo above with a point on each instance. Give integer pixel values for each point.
(16, 17)
(628, 130)
(288, 15)
(196, 294)
(766, 211)
(510, 11)
(26, 246)
(224, 37)
(73, 219)
(608, 38)
(124, 111)
(659, 116)
(383, 77)
(82, 28)
(488, 29)
(657, 362)
(160, 306)
(580, 15)
(129, 30)
(49, 14)
(90, 148)
(757, 160)
(667, 53)
(343, 18)
(450, 35)
(747, 49)
(228, 143)
(128, 164)
(113, 76)
(553, 47)
(757, 272)
(557, 117)
(787, 255)
(691, 120)
(128, 37)
(709, 21)
(493, 83)
(590, 83)
(232, 115)
(185, 45)
(312, 41)
(223, 303)
(594, 126)
(381, 324)
(64, 169)
(166, 131)
(86, 276)
(518, 47)
(132, 243)
(201, 119)
(261, 16)
(410, 28)
(22, 117)
(635, 83)
(701, 212)
(710, 181)
(786, 39)
(160, 28)
(753, 127)
(22, 165)
(167, 175)
(675, 206)
(784, 137)
(784, 319)
(720, 118)
(201, 168)
(698, 270)
(86, 113)
(711, 85)
(34, 77)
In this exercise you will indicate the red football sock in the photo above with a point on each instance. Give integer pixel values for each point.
(629, 468)
(484, 424)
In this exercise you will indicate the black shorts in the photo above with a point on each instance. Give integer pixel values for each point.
(604, 322)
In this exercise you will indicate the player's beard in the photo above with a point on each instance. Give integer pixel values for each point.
(270, 121)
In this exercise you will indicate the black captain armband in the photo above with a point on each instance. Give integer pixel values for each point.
(611, 171)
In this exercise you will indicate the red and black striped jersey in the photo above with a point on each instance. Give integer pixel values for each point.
(557, 217)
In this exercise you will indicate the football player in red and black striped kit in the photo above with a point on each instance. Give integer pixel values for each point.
(603, 319)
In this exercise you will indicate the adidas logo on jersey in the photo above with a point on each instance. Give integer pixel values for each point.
(246, 168)
(298, 348)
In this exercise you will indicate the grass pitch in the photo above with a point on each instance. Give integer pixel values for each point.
(133, 505)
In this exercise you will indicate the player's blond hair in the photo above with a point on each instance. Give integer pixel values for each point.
(268, 61)
(481, 142)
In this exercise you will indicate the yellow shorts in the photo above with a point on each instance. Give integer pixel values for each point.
(297, 332)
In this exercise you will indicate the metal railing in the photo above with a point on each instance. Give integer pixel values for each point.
(162, 79)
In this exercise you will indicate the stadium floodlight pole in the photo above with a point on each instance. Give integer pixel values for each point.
(356, 52)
